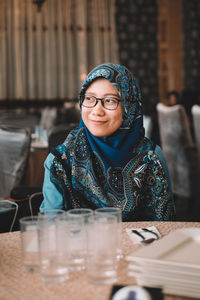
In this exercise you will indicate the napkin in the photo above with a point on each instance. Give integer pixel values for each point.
(153, 231)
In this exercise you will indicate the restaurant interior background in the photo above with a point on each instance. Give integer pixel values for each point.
(48, 47)
(46, 54)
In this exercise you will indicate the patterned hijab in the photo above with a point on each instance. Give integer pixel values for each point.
(117, 149)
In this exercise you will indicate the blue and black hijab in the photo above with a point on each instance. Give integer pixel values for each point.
(117, 149)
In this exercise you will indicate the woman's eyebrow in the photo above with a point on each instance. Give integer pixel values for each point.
(105, 95)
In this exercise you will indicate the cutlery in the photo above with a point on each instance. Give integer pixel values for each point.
(144, 241)
(151, 231)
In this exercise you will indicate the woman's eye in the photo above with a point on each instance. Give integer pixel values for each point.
(109, 100)
(88, 98)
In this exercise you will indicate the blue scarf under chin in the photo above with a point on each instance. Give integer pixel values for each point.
(117, 149)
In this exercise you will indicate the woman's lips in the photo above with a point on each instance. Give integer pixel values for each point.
(95, 122)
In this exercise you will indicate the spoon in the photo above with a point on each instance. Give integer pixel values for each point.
(151, 231)
(144, 241)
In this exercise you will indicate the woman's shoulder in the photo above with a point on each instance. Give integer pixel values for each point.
(151, 150)
(146, 145)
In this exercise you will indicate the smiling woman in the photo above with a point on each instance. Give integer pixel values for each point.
(104, 117)
(107, 161)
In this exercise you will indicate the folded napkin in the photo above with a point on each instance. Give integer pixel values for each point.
(147, 233)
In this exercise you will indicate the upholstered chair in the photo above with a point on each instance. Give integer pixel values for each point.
(14, 152)
(181, 155)
(196, 123)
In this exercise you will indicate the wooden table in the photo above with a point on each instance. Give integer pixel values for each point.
(16, 284)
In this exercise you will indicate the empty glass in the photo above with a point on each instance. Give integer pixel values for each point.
(52, 249)
(73, 228)
(84, 212)
(115, 211)
(29, 242)
(78, 239)
(102, 249)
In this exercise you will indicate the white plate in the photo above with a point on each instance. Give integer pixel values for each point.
(179, 248)
(172, 290)
(165, 269)
(165, 279)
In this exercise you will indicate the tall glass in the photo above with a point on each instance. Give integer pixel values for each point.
(29, 243)
(115, 211)
(52, 249)
(102, 249)
(78, 238)
(73, 228)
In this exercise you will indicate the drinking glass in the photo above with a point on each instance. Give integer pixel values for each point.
(52, 249)
(84, 212)
(102, 249)
(73, 228)
(115, 211)
(29, 243)
(78, 242)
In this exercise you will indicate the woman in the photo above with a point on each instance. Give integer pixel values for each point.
(107, 161)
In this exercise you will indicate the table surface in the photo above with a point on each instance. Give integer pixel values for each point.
(16, 284)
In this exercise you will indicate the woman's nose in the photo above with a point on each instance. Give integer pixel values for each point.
(98, 108)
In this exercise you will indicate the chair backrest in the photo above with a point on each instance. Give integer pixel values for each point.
(178, 147)
(35, 201)
(19, 119)
(58, 134)
(196, 123)
(8, 214)
(14, 151)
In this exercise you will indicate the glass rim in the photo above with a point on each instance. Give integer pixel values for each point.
(51, 211)
(83, 211)
(94, 217)
(28, 219)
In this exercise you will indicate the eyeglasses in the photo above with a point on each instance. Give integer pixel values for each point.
(107, 102)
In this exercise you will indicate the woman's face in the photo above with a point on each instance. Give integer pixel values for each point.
(102, 122)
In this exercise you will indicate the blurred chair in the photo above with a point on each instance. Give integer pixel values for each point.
(147, 123)
(14, 152)
(181, 156)
(19, 119)
(48, 117)
(35, 201)
(11, 211)
(58, 134)
(196, 122)
(8, 214)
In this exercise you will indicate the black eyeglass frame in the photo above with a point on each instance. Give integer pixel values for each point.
(102, 102)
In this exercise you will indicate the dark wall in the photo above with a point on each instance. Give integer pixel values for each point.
(191, 27)
(136, 25)
(191, 33)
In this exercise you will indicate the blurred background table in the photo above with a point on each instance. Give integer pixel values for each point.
(19, 285)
